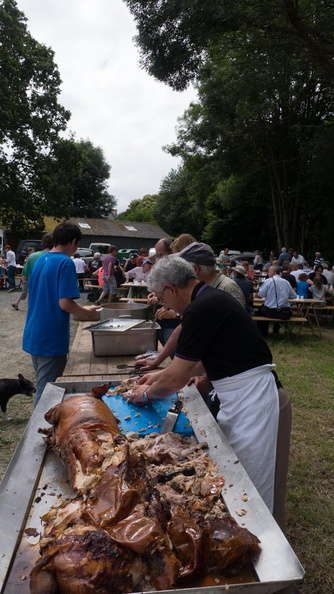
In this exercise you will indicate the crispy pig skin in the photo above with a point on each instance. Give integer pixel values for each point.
(120, 534)
(86, 561)
(79, 425)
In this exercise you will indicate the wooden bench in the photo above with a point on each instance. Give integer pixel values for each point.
(287, 324)
(96, 290)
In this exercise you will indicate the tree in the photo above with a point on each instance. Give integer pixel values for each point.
(261, 108)
(142, 209)
(175, 35)
(74, 178)
(31, 117)
(175, 212)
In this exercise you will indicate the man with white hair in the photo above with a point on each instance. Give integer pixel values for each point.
(284, 256)
(202, 258)
(219, 336)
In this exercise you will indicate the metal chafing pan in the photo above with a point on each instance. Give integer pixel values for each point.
(114, 337)
(35, 480)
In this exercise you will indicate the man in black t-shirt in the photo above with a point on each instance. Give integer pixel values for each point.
(220, 336)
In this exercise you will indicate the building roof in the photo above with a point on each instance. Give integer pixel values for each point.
(114, 228)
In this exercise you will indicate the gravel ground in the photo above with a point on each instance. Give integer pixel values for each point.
(12, 362)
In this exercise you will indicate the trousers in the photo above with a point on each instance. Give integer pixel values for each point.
(47, 369)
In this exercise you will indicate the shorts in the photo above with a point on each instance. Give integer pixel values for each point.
(110, 286)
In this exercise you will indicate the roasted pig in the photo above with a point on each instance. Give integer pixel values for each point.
(119, 533)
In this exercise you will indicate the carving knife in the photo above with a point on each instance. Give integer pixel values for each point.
(171, 417)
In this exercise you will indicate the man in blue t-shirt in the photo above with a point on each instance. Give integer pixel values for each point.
(53, 286)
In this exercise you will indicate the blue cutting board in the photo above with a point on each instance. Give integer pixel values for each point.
(145, 419)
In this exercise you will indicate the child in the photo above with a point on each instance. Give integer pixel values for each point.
(303, 286)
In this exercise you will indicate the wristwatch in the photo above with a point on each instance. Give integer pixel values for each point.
(145, 398)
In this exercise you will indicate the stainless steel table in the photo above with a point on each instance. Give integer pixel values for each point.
(35, 480)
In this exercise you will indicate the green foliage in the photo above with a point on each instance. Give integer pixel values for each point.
(261, 108)
(142, 210)
(265, 76)
(78, 180)
(176, 212)
(174, 35)
(31, 117)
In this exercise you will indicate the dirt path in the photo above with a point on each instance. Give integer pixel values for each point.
(13, 361)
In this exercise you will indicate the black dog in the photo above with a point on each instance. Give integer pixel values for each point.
(10, 387)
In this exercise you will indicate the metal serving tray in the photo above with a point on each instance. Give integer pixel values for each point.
(35, 480)
(115, 337)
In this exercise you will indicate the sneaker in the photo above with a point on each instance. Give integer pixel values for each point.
(11, 290)
(15, 306)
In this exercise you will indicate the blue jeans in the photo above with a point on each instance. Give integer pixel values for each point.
(47, 369)
(11, 274)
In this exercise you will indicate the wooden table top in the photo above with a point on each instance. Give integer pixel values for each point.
(82, 365)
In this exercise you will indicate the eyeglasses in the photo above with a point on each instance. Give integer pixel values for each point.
(160, 297)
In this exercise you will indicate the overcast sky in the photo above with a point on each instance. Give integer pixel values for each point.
(114, 103)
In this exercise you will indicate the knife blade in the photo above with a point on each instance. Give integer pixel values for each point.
(164, 478)
(171, 417)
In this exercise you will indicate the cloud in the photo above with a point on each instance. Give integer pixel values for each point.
(114, 103)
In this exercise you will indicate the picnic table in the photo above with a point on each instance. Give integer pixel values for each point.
(82, 365)
(135, 289)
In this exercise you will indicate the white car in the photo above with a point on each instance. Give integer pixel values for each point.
(232, 254)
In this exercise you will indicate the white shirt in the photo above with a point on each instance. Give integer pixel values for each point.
(296, 273)
(137, 274)
(300, 259)
(277, 291)
(10, 257)
(329, 275)
(80, 265)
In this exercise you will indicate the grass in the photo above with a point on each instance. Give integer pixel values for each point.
(305, 368)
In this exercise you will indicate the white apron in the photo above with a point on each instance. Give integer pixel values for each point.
(248, 417)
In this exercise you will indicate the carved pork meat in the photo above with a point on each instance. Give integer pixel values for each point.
(119, 534)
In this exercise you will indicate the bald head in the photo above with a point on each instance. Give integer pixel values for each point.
(163, 247)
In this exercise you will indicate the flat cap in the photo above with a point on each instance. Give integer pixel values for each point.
(198, 253)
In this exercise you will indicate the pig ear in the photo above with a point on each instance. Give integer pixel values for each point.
(21, 377)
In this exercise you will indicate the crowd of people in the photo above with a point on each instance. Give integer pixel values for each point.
(205, 329)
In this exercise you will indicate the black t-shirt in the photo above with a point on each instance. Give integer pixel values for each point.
(291, 278)
(95, 265)
(220, 334)
(323, 278)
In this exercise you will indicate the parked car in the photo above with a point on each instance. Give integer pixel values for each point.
(21, 252)
(86, 254)
(232, 254)
(103, 248)
(247, 256)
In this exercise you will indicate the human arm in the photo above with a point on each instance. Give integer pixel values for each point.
(292, 294)
(202, 383)
(263, 289)
(167, 351)
(111, 265)
(71, 307)
(163, 383)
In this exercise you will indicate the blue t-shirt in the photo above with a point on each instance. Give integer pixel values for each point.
(302, 288)
(47, 329)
